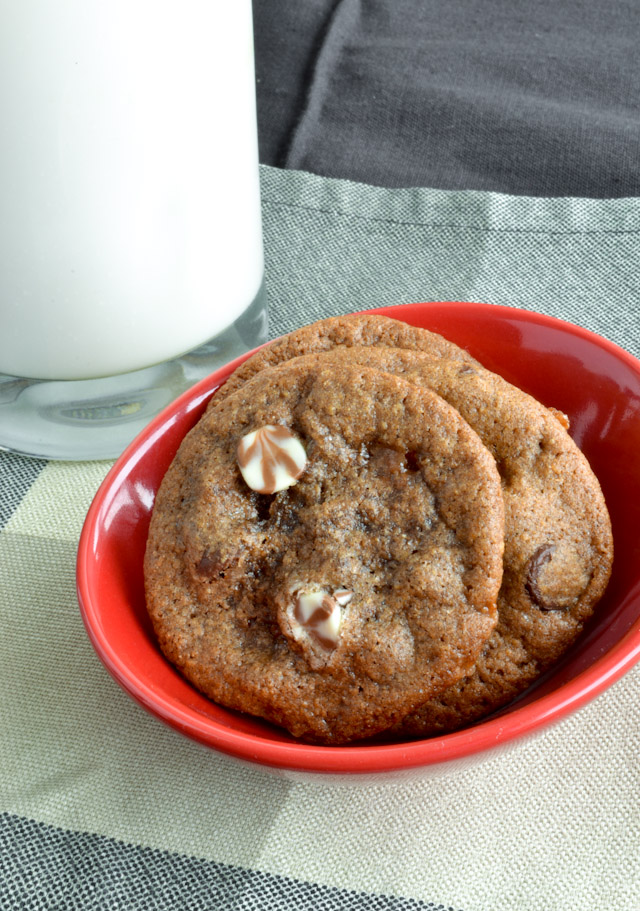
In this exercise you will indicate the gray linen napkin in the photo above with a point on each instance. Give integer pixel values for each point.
(538, 99)
(104, 807)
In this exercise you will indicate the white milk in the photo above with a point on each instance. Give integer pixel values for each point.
(129, 199)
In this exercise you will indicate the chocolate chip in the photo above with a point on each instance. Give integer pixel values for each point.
(263, 507)
(535, 563)
(210, 565)
(411, 461)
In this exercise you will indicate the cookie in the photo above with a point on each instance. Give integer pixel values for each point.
(558, 541)
(364, 584)
(364, 329)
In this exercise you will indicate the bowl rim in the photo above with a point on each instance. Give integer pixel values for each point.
(356, 758)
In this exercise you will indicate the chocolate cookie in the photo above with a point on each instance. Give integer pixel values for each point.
(363, 329)
(558, 542)
(365, 583)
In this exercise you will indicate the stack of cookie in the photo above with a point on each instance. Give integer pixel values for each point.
(369, 532)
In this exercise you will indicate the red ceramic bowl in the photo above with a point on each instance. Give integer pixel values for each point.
(596, 383)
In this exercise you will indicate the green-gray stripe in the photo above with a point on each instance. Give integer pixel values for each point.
(17, 474)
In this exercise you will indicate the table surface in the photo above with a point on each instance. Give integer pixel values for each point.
(411, 151)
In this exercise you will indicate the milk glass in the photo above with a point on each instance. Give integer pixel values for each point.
(131, 257)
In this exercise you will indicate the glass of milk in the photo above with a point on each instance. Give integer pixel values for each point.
(131, 257)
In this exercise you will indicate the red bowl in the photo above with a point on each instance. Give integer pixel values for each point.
(593, 381)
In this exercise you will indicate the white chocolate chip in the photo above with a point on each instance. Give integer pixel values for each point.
(271, 458)
(318, 615)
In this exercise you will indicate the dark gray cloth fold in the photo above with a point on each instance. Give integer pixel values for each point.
(539, 99)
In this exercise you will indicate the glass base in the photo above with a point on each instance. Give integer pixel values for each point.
(96, 419)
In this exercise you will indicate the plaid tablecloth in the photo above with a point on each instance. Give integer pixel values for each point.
(103, 807)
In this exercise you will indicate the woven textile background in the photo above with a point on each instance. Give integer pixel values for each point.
(335, 246)
(535, 99)
(104, 807)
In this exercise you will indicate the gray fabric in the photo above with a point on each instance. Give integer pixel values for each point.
(44, 867)
(16, 477)
(287, 35)
(538, 99)
(333, 246)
